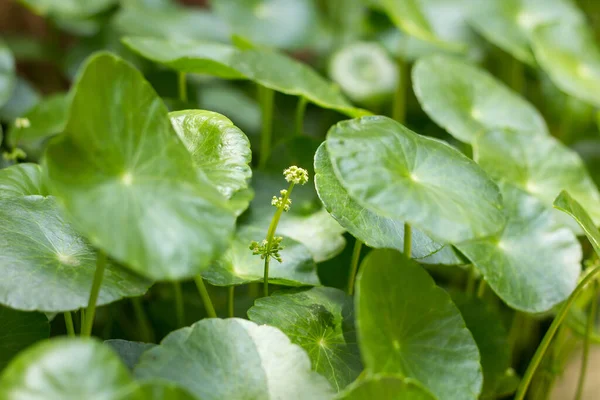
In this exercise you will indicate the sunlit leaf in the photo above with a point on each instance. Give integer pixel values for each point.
(68, 8)
(386, 387)
(567, 204)
(21, 180)
(19, 330)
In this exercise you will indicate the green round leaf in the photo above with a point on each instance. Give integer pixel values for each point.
(234, 359)
(66, 369)
(129, 352)
(218, 147)
(120, 163)
(46, 119)
(19, 330)
(265, 67)
(534, 263)
(68, 8)
(398, 174)
(567, 204)
(569, 54)
(7, 73)
(540, 165)
(365, 72)
(21, 180)
(369, 227)
(46, 266)
(509, 24)
(385, 387)
(161, 391)
(238, 265)
(293, 20)
(321, 320)
(407, 325)
(466, 100)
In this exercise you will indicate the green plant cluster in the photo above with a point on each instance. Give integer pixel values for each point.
(409, 182)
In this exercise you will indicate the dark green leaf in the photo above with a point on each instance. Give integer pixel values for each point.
(386, 387)
(157, 390)
(409, 326)
(120, 163)
(129, 352)
(399, 174)
(234, 359)
(19, 330)
(24, 97)
(321, 320)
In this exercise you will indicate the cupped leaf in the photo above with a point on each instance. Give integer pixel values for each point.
(569, 54)
(321, 320)
(466, 100)
(534, 263)
(46, 265)
(409, 326)
(256, 20)
(120, 164)
(21, 180)
(567, 204)
(238, 265)
(365, 72)
(307, 221)
(7, 73)
(129, 352)
(509, 24)
(68, 8)
(399, 174)
(386, 387)
(218, 147)
(234, 359)
(19, 330)
(265, 67)
(369, 227)
(46, 119)
(539, 165)
(66, 369)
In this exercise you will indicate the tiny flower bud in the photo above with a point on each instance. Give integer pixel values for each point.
(295, 174)
(22, 123)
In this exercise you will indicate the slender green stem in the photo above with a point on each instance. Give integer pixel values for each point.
(266, 97)
(96, 284)
(179, 306)
(586, 342)
(69, 323)
(407, 240)
(146, 333)
(81, 320)
(481, 288)
(354, 265)
(253, 289)
(399, 105)
(183, 87)
(300, 110)
(231, 301)
(517, 74)
(208, 305)
(470, 289)
(543, 347)
(271, 235)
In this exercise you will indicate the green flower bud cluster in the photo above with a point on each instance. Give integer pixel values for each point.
(264, 250)
(297, 175)
(282, 202)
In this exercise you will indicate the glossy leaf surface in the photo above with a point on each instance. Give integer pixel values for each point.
(19, 330)
(409, 326)
(120, 163)
(321, 320)
(535, 262)
(21, 180)
(386, 387)
(399, 174)
(466, 100)
(234, 359)
(567, 204)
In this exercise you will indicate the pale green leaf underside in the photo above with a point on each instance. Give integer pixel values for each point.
(385, 387)
(218, 148)
(267, 68)
(409, 326)
(19, 330)
(535, 262)
(66, 369)
(321, 320)
(7, 74)
(128, 180)
(567, 204)
(367, 226)
(239, 266)
(21, 180)
(45, 265)
(234, 359)
(74, 9)
(569, 54)
(540, 165)
(399, 174)
(466, 100)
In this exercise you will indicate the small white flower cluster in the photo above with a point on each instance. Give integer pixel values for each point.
(296, 174)
(279, 203)
(263, 249)
(22, 123)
